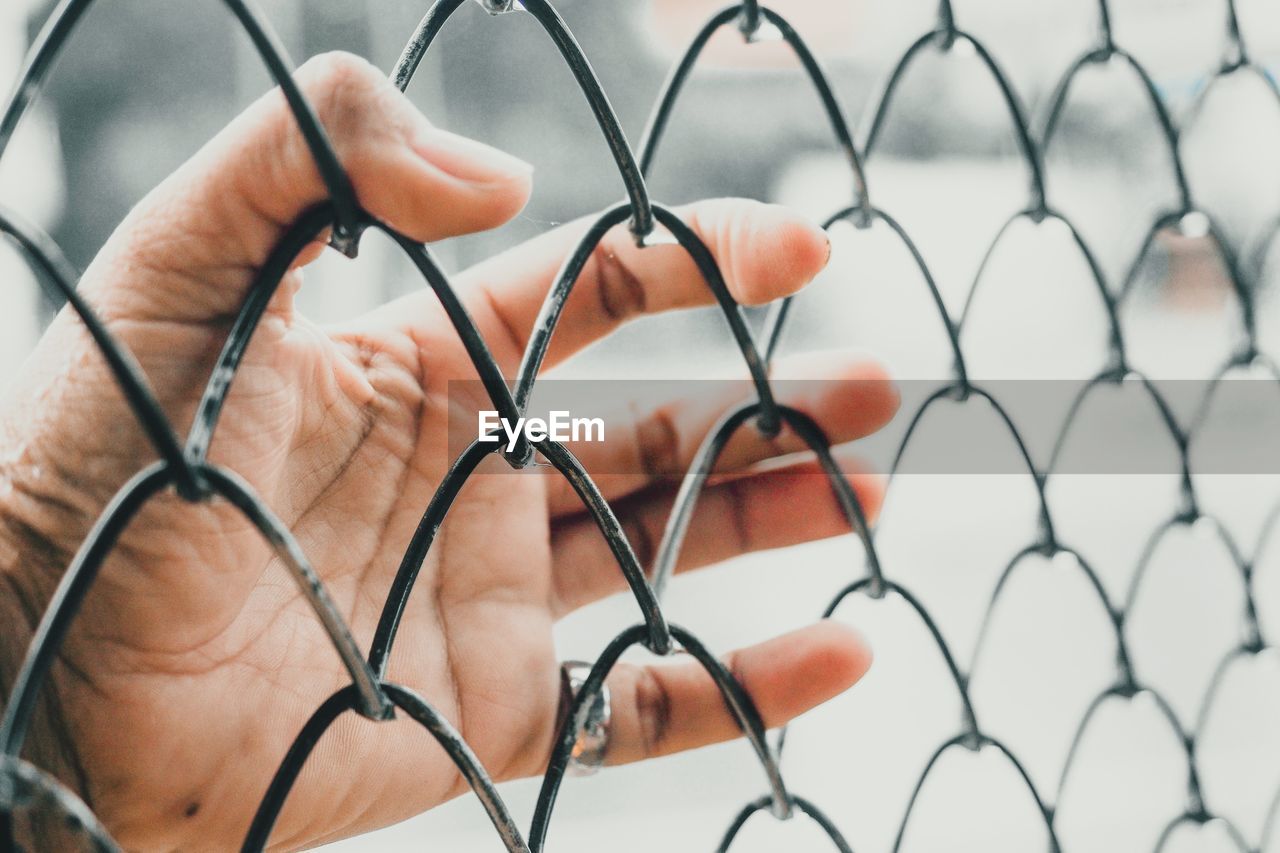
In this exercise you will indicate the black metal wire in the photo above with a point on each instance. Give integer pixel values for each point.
(1116, 376)
(876, 590)
(24, 787)
(421, 711)
(1241, 289)
(1045, 213)
(576, 61)
(748, 15)
(964, 394)
(1127, 693)
(1114, 616)
(799, 804)
(58, 278)
(183, 466)
(735, 696)
(945, 38)
(1168, 131)
(552, 307)
(975, 743)
(1200, 819)
(704, 462)
(53, 39)
(67, 599)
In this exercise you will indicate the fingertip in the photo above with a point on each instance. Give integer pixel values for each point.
(498, 184)
(488, 205)
(844, 653)
(848, 394)
(786, 251)
(806, 245)
(765, 251)
(470, 161)
(815, 663)
(512, 198)
(877, 394)
(871, 372)
(426, 201)
(834, 363)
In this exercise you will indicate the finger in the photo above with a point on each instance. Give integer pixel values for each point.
(661, 709)
(764, 252)
(188, 251)
(753, 511)
(849, 396)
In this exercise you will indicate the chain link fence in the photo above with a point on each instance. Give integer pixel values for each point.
(183, 464)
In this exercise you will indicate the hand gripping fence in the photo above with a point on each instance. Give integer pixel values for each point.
(183, 465)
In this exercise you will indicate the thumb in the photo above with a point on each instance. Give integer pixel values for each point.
(189, 250)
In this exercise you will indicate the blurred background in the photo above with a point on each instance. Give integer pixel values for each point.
(148, 81)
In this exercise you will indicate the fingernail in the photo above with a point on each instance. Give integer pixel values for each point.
(468, 160)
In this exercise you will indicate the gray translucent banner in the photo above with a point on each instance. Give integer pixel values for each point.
(1132, 426)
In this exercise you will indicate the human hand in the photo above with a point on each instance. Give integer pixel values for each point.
(195, 659)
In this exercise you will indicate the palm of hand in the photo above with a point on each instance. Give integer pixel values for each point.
(193, 608)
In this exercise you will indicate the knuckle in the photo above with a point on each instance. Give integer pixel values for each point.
(739, 508)
(653, 710)
(340, 86)
(657, 444)
(619, 289)
(732, 663)
(640, 538)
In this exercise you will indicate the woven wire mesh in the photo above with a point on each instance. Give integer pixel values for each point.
(184, 467)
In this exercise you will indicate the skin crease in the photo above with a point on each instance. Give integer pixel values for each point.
(195, 660)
